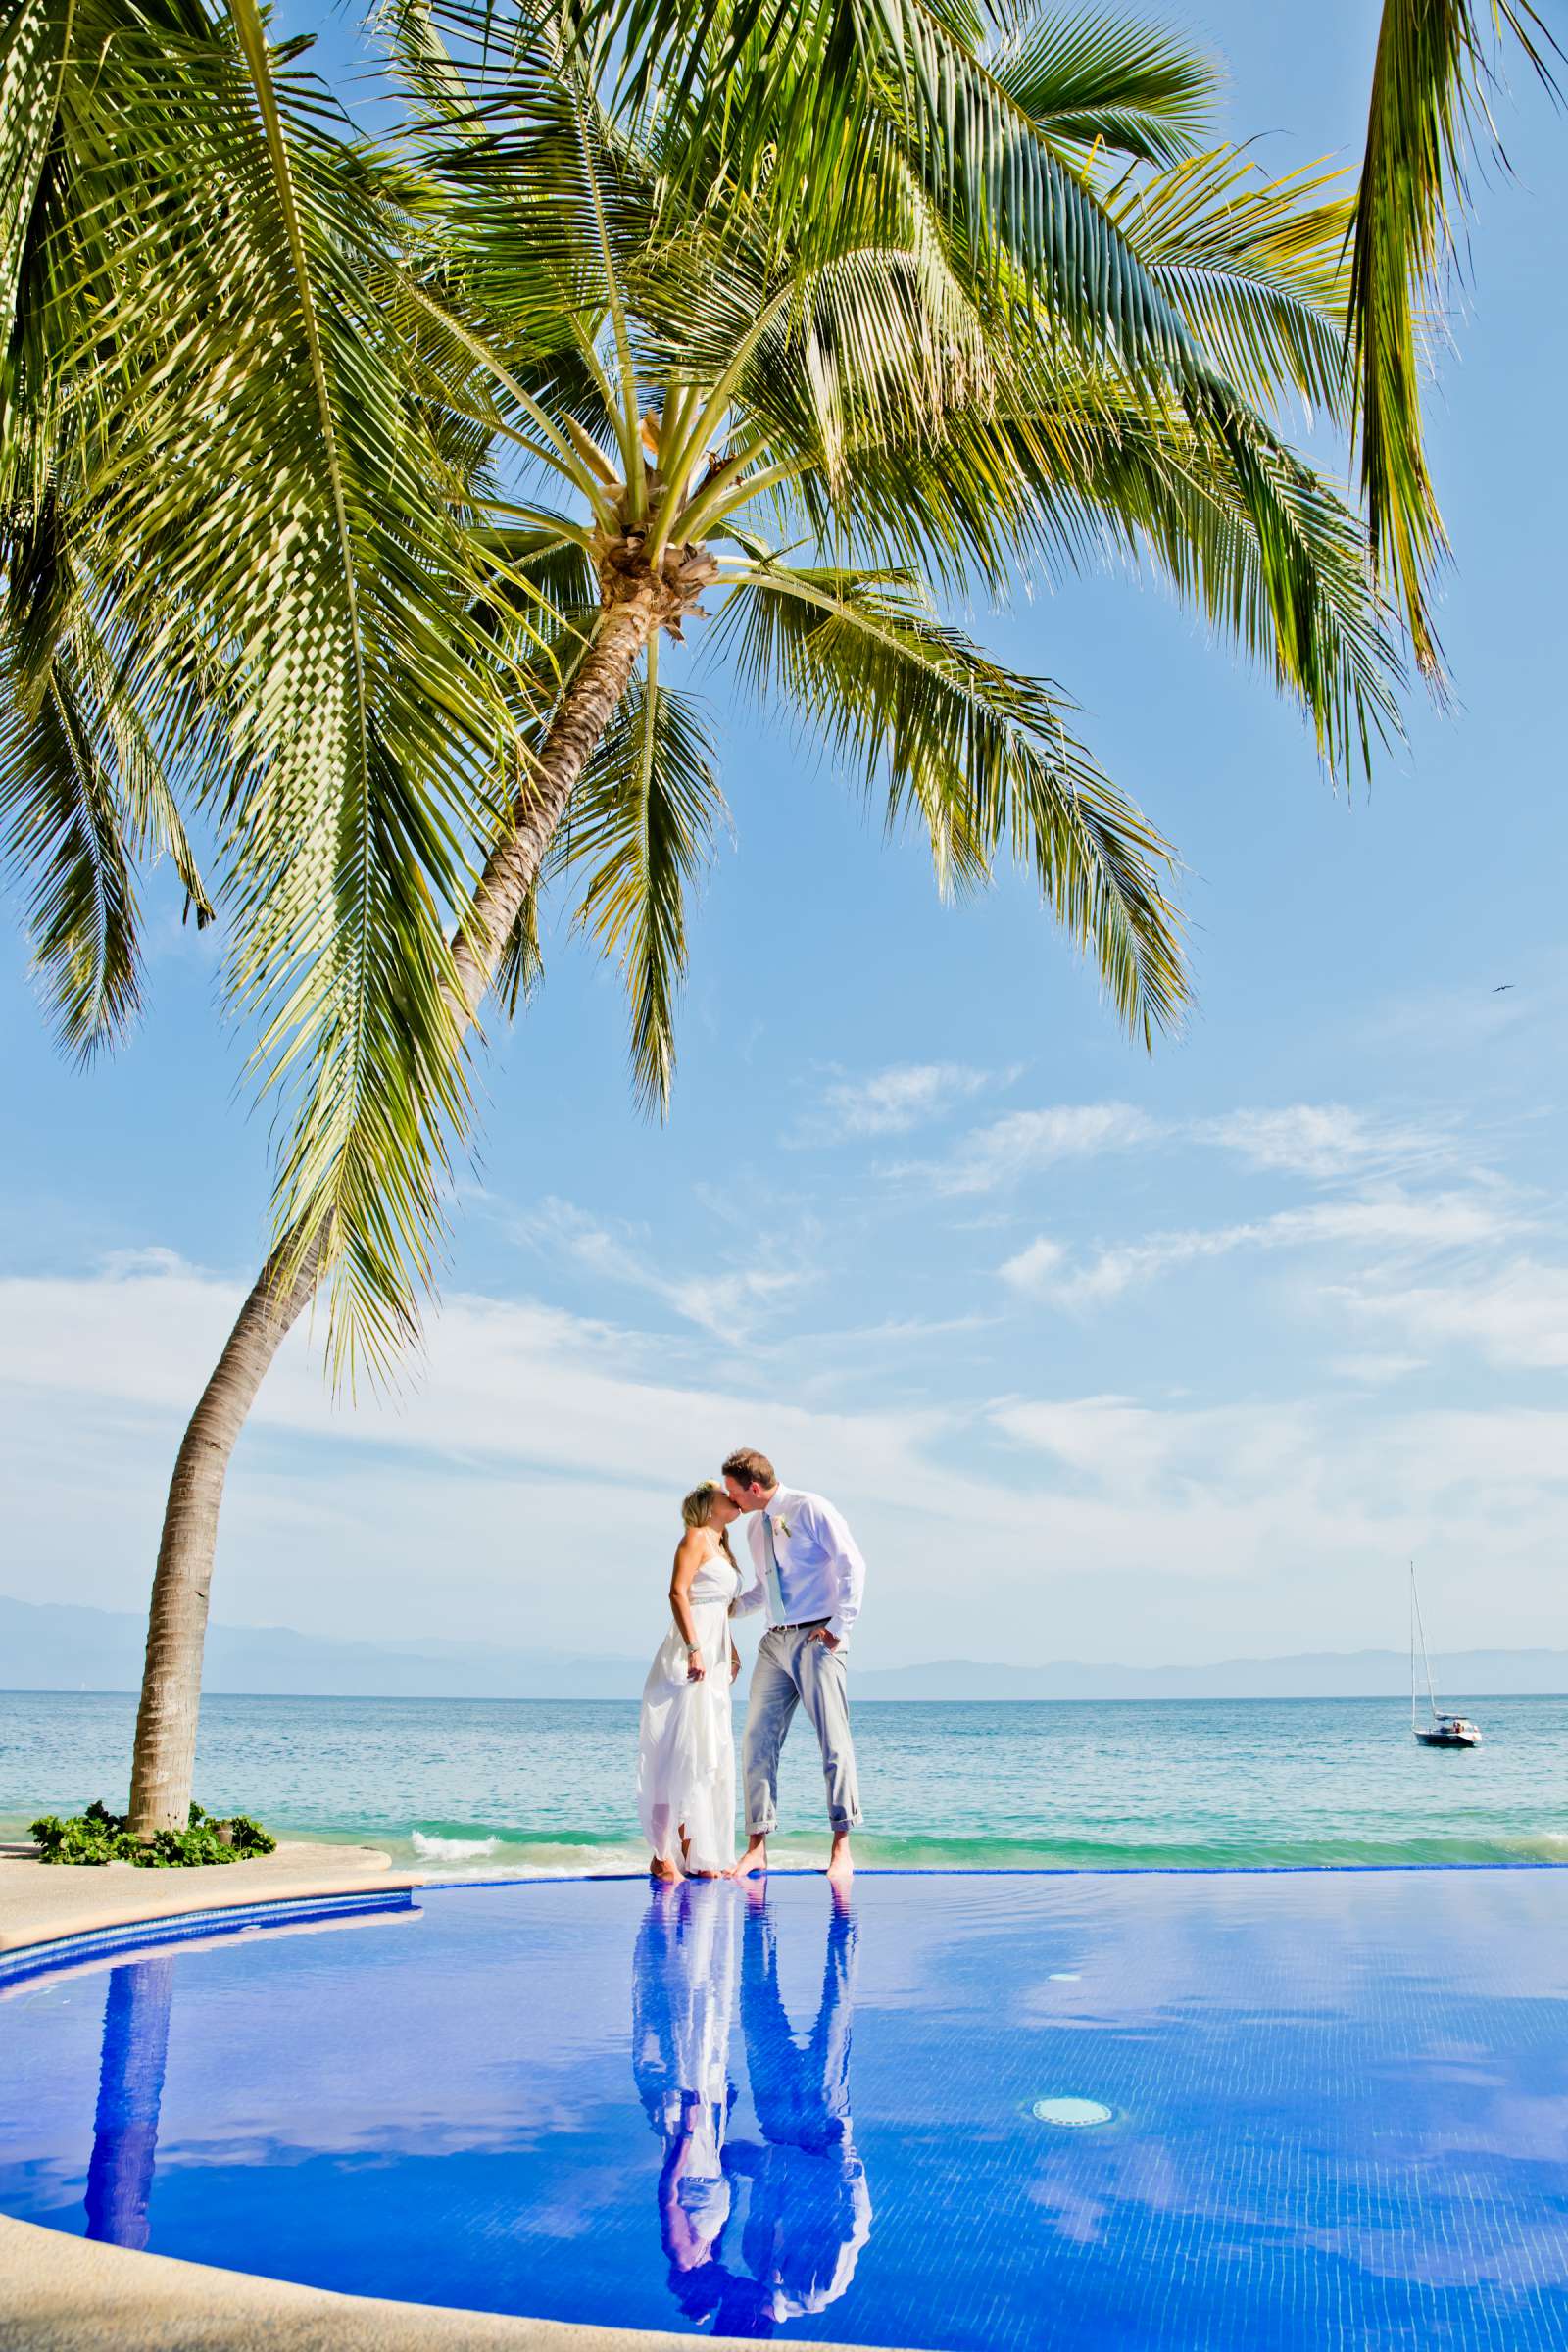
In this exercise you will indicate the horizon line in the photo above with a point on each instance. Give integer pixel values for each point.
(513, 1698)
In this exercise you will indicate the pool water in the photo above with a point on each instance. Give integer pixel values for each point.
(1192, 2111)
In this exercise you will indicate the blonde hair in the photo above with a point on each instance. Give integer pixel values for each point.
(697, 1512)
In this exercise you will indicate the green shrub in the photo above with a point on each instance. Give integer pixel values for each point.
(98, 1836)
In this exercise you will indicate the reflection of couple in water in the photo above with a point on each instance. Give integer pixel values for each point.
(807, 2208)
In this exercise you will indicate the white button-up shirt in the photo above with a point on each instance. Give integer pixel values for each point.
(820, 1571)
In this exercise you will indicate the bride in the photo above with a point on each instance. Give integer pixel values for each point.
(686, 1749)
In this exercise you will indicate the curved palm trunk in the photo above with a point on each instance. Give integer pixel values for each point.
(164, 1765)
(163, 1761)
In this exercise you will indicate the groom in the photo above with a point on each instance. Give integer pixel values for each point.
(810, 1579)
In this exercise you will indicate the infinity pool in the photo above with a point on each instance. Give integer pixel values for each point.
(1222, 2113)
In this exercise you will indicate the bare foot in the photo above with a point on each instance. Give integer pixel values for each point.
(664, 1873)
(753, 1864)
(840, 1862)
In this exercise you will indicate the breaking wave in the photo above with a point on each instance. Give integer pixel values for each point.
(452, 1850)
(514, 1854)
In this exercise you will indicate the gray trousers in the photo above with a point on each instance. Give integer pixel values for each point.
(793, 1671)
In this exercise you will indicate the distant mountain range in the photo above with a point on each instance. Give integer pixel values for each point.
(1466, 1674)
(47, 1646)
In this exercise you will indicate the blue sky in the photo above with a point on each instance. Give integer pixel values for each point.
(1106, 1355)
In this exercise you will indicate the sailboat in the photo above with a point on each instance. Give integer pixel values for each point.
(1443, 1731)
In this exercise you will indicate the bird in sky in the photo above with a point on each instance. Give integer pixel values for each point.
(1502, 985)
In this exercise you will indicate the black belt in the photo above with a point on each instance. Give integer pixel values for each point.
(802, 1625)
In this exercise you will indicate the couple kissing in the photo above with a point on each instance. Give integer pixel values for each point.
(807, 1576)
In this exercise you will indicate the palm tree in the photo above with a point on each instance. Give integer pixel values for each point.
(239, 573)
(1428, 107)
(812, 363)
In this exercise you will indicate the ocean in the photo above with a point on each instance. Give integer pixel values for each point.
(497, 1787)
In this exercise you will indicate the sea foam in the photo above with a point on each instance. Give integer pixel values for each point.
(453, 1849)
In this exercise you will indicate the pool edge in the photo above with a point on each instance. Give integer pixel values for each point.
(143, 1933)
(50, 1918)
(70, 2294)
(118, 1927)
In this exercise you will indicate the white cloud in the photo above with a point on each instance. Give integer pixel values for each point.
(891, 1101)
(143, 1261)
(1037, 1267)
(1027, 1140)
(513, 1380)
(1376, 1371)
(524, 1487)
(1106, 1436)
(1296, 1462)
(1238, 1476)
(1319, 1139)
(1504, 1456)
(562, 1230)
(1399, 1221)
(725, 1302)
(1517, 1315)
(1313, 1139)
(1391, 1223)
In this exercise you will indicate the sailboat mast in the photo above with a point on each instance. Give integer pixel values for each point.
(1415, 1610)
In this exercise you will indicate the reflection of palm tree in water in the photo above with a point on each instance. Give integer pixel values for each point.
(131, 2090)
(809, 2211)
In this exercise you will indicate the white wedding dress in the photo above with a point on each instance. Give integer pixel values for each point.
(686, 1747)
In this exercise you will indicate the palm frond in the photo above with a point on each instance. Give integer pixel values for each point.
(1256, 268)
(65, 844)
(982, 757)
(1087, 79)
(1428, 91)
(83, 793)
(32, 50)
(1282, 567)
(797, 98)
(643, 822)
(1062, 474)
(519, 967)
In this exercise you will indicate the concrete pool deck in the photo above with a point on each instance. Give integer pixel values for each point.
(68, 2295)
(38, 1904)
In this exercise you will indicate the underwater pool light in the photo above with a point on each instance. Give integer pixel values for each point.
(1072, 2114)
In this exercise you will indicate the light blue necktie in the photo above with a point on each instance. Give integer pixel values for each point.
(775, 1582)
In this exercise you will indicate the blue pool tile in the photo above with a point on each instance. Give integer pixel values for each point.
(1335, 2107)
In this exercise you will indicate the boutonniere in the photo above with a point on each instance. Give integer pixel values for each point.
(784, 1528)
